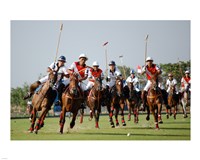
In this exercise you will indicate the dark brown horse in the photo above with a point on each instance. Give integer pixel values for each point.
(133, 102)
(154, 100)
(173, 101)
(42, 101)
(117, 102)
(72, 98)
(94, 100)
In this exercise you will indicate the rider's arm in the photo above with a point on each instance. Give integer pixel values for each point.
(85, 75)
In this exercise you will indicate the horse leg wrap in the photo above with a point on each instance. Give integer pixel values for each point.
(129, 117)
(156, 123)
(97, 125)
(111, 114)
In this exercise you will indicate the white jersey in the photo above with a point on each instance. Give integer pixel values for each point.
(134, 80)
(171, 84)
(62, 69)
(80, 70)
(53, 66)
(112, 76)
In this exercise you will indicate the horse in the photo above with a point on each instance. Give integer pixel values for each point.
(117, 102)
(185, 101)
(72, 98)
(154, 100)
(42, 101)
(94, 100)
(133, 101)
(173, 101)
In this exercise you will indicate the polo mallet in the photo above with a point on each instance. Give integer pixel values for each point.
(105, 45)
(61, 27)
(145, 52)
(121, 59)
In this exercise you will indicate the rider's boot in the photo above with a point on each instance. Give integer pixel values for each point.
(32, 89)
(60, 90)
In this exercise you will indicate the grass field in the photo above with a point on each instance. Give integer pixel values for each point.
(171, 129)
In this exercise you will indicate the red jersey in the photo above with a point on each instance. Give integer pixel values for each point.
(185, 80)
(95, 74)
(81, 70)
(151, 71)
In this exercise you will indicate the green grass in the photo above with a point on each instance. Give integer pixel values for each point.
(171, 129)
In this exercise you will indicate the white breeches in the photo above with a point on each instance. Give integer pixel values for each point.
(148, 85)
(44, 79)
(176, 90)
(184, 88)
(82, 86)
(89, 85)
(111, 84)
(65, 81)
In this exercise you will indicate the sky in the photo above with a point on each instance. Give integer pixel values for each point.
(34, 43)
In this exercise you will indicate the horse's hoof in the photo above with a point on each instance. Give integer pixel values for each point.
(61, 132)
(174, 116)
(167, 116)
(124, 124)
(185, 116)
(36, 131)
(160, 122)
(112, 125)
(117, 124)
(147, 118)
(29, 131)
(129, 119)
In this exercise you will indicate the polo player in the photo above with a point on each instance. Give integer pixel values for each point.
(152, 71)
(94, 72)
(58, 67)
(80, 68)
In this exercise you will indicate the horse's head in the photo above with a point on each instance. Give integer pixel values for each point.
(119, 86)
(130, 86)
(73, 85)
(52, 78)
(98, 84)
(171, 90)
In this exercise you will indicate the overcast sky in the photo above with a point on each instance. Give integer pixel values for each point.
(34, 43)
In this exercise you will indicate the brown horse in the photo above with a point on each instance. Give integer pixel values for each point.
(94, 100)
(154, 100)
(133, 102)
(72, 98)
(173, 101)
(42, 101)
(117, 102)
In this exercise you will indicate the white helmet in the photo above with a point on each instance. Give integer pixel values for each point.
(149, 59)
(187, 72)
(95, 63)
(83, 56)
